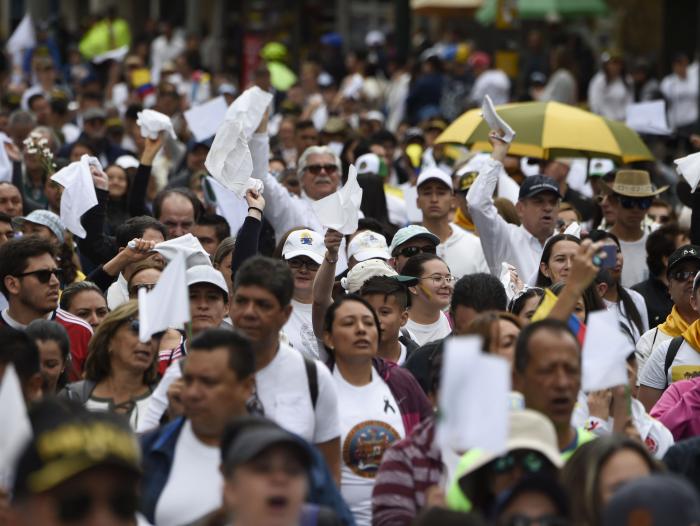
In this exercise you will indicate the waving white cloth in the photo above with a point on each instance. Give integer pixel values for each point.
(17, 431)
(5, 162)
(153, 122)
(187, 245)
(689, 168)
(495, 122)
(341, 210)
(79, 192)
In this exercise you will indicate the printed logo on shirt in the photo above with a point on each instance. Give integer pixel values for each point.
(364, 447)
(684, 372)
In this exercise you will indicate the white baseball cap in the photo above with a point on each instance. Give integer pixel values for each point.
(363, 271)
(434, 174)
(304, 243)
(368, 245)
(368, 163)
(206, 274)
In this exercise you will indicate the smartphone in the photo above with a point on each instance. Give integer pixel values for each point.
(610, 258)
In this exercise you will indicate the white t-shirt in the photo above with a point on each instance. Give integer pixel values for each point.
(158, 401)
(139, 409)
(632, 332)
(685, 365)
(634, 269)
(283, 389)
(649, 341)
(370, 421)
(195, 484)
(422, 334)
(299, 330)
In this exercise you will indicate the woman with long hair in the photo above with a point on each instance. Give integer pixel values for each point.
(609, 92)
(117, 206)
(555, 262)
(120, 370)
(54, 353)
(85, 300)
(499, 332)
(379, 402)
(525, 303)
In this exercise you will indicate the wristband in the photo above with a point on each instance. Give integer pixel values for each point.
(255, 208)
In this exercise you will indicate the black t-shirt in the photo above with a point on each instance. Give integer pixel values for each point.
(420, 363)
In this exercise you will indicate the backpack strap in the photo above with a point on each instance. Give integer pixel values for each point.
(671, 354)
(312, 378)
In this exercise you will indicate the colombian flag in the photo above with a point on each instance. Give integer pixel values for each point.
(545, 307)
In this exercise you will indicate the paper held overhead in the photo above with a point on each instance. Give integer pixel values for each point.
(341, 210)
(249, 109)
(689, 168)
(79, 194)
(229, 160)
(495, 122)
(204, 119)
(648, 117)
(17, 429)
(153, 122)
(605, 352)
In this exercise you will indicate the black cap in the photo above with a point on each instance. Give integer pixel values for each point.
(537, 184)
(686, 252)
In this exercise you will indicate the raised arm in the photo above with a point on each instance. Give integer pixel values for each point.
(136, 200)
(325, 278)
(249, 234)
(97, 246)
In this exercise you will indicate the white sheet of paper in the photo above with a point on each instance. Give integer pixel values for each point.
(410, 195)
(689, 168)
(229, 205)
(187, 245)
(204, 119)
(341, 210)
(474, 403)
(648, 117)
(5, 162)
(113, 54)
(167, 305)
(506, 279)
(495, 122)
(248, 109)
(17, 430)
(23, 37)
(79, 194)
(604, 354)
(229, 160)
(153, 122)
(574, 229)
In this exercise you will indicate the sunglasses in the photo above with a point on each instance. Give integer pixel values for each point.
(643, 203)
(529, 462)
(545, 520)
(409, 252)
(43, 275)
(297, 263)
(316, 168)
(682, 275)
(76, 507)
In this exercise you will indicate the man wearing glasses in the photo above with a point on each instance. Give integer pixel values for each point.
(30, 279)
(631, 196)
(409, 241)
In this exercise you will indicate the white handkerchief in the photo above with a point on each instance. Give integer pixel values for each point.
(574, 229)
(204, 119)
(604, 354)
(113, 54)
(5, 162)
(189, 246)
(229, 205)
(168, 304)
(17, 429)
(153, 122)
(507, 280)
(341, 210)
(79, 192)
(495, 122)
(689, 168)
(248, 109)
(229, 160)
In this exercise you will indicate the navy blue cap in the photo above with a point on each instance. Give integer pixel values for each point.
(193, 143)
(536, 184)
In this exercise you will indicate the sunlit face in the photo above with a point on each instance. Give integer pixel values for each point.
(435, 199)
(558, 266)
(321, 176)
(354, 334)
(436, 284)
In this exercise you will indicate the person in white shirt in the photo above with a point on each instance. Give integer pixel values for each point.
(609, 92)
(375, 172)
(218, 382)
(630, 196)
(291, 389)
(304, 252)
(680, 89)
(460, 249)
(165, 48)
(537, 206)
(489, 81)
(427, 320)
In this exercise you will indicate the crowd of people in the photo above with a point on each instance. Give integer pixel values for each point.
(304, 389)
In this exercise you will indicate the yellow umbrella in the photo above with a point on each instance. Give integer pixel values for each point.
(547, 130)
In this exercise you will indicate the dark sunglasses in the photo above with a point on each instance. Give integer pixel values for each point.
(529, 462)
(682, 275)
(643, 203)
(545, 520)
(409, 252)
(76, 507)
(296, 264)
(316, 168)
(44, 275)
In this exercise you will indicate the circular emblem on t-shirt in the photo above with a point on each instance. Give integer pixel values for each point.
(365, 444)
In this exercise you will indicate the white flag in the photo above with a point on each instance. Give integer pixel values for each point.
(341, 210)
(22, 38)
(168, 304)
(79, 192)
(17, 430)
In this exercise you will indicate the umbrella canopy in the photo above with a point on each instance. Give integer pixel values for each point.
(540, 9)
(445, 7)
(547, 130)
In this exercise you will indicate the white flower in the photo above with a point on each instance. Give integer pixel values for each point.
(48, 155)
(36, 135)
(32, 150)
(43, 141)
(28, 141)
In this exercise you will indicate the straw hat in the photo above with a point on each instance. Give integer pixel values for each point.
(634, 183)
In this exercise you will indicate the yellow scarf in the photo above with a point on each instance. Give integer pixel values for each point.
(674, 325)
(692, 335)
(463, 221)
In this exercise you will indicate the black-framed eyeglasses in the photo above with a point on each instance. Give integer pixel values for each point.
(43, 275)
(682, 275)
(297, 263)
(409, 252)
(316, 168)
(643, 203)
(529, 462)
